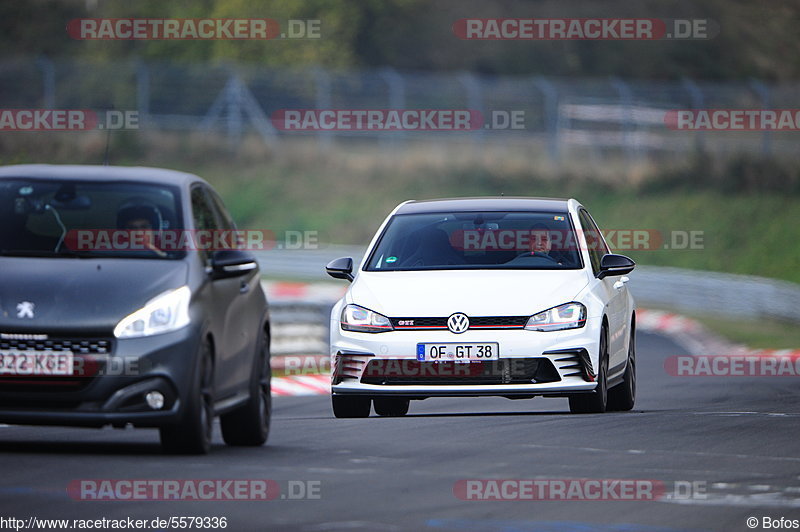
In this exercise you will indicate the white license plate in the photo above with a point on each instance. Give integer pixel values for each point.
(450, 352)
(35, 363)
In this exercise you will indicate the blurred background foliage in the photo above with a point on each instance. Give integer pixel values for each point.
(747, 205)
(758, 39)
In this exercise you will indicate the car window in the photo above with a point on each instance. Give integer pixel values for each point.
(221, 212)
(203, 215)
(596, 246)
(57, 217)
(202, 211)
(477, 240)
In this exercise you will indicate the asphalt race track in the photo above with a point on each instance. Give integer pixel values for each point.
(723, 449)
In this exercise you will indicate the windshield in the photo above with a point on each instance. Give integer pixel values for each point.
(477, 240)
(42, 218)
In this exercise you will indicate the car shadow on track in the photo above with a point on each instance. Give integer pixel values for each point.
(80, 447)
(559, 413)
(120, 448)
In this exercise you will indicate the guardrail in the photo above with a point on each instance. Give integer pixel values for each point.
(698, 291)
(300, 327)
(680, 289)
(301, 321)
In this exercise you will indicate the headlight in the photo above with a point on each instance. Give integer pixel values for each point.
(359, 319)
(164, 313)
(567, 316)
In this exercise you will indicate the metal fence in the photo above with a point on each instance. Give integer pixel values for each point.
(560, 115)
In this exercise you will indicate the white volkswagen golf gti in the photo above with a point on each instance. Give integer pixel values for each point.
(510, 297)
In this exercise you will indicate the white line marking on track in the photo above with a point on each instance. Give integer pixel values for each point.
(664, 451)
(739, 500)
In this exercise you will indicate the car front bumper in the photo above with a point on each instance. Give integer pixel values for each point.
(116, 394)
(352, 353)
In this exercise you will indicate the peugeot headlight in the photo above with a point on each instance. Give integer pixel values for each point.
(164, 313)
(567, 316)
(359, 319)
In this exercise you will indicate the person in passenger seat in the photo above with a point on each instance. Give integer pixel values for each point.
(434, 250)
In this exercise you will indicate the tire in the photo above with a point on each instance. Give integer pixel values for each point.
(623, 396)
(248, 425)
(596, 402)
(192, 434)
(391, 406)
(348, 406)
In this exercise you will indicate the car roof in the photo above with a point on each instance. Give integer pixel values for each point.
(500, 203)
(99, 173)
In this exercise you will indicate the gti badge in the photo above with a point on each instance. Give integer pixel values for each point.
(458, 323)
(25, 309)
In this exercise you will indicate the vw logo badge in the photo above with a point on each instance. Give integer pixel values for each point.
(458, 323)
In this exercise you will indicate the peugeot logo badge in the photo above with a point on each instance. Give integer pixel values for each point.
(458, 323)
(25, 309)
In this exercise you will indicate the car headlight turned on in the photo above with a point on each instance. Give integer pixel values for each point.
(360, 319)
(566, 316)
(164, 313)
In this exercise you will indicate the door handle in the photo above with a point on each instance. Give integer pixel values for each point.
(244, 287)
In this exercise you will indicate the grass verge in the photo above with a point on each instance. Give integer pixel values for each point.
(756, 334)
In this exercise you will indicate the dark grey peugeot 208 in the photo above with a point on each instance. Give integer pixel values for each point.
(126, 298)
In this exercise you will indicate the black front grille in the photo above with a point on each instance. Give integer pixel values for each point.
(477, 322)
(498, 322)
(82, 346)
(505, 371)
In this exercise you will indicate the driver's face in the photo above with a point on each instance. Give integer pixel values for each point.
(139, 224)
(141, 228)
(540, 241)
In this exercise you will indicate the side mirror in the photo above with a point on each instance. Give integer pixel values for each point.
(341, 268)
(227, 263)
(612, 265)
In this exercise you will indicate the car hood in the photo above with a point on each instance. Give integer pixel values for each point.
(475, 292)
(79, 295)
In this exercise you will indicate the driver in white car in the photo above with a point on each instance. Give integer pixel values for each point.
(541, 244)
